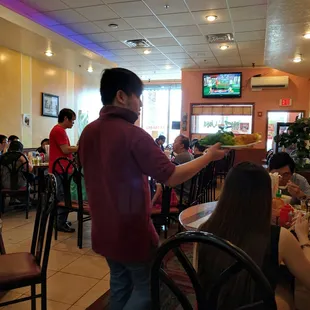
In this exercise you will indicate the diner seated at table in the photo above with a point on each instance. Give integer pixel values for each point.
(292, 183)
(3, 144)
(42, 148)
(160, 141)
(198, 150)
(13, 138)
(243, 216)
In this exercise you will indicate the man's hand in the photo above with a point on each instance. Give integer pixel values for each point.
(294, 190)
(215, 152)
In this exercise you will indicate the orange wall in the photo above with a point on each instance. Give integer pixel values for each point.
(264, 100)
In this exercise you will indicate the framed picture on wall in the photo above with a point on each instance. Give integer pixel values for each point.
(50, 105)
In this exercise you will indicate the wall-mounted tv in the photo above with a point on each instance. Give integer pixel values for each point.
(221, 85)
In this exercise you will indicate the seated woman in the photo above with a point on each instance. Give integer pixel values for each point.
(295, 184)
(42, 148)
(198, 150)
(243, 217)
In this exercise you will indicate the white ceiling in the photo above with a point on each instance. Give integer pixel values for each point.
(177, 33)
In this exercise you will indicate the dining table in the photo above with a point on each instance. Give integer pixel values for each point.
(40, 170)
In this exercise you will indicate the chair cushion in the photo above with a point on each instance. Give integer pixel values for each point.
(8, 190)
(18, 267)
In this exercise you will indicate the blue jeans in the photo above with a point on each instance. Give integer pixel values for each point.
(129, 286)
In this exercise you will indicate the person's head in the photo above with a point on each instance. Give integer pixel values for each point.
(16, 146)
(45, 142)
(121, 87)
(13, 138)
(243, 217)
(161, 140)
(284, 164)
(199, 149)
(3, 142)
(181, 144)
(66, 118)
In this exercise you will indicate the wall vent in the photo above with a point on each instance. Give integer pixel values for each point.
(220, 38)
(138, 43)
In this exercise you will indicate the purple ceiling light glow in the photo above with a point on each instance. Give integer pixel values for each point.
(52, 24)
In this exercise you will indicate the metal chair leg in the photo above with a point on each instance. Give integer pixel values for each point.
(80, 230)
(43, 297)
(33, 298)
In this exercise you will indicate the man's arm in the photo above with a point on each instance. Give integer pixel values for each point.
(66, 149)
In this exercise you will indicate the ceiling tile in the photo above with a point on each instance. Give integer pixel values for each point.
(251, 45)
(98, 12)
(46, 5)
(80, 3)
(201, 5)
(249, 35)
(209, 62)
(232, 51)
(113, 45)
(95, 47)
(43, 19)
(104, 25)
(140, 51)
(185, 31)
(197, 48)
(158, 6)
(171, 49)
(229, 61)
(63, 30)
(249, 12)
(67, 16)
(125, 52)
(192, 40)
(250, 25)
(181, 19)
(81, 39)
(237, 3)
(222, 16)
(161, 62)
(131, 9)
(184, 61)
(142, 62)
(84, 28)
(163, 42)
(144, 22)
(133, 57)
(174, 56)
(216, 28)
(155, 57)
(126, 35)
(115, 1)
(155, 33)
(207, 54)
(258, 60)
(100, 37)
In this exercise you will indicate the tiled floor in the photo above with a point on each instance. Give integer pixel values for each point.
(76, 278)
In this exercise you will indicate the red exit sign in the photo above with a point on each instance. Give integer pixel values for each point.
(285, 102)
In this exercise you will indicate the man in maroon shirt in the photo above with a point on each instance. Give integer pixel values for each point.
(117, 158)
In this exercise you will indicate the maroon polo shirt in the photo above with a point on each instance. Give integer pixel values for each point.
(117, 158)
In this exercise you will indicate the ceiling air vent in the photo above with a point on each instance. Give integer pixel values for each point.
(220, 38)
(139, 43)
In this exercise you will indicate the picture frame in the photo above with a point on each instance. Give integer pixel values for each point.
(50, 105)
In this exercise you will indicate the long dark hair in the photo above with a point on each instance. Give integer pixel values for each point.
(242, 216)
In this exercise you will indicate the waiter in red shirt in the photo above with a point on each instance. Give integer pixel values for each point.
(118, 190)
(60, 147)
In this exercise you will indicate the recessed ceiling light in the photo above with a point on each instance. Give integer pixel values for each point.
(49, 53)
(90, 69)
(211, 18)
(146, 52)
(167, 6)
(297, 58)
(224, 47)
(307, 35)
(114, 26)
(168, 67)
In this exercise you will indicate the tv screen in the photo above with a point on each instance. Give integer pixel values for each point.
(221, 85)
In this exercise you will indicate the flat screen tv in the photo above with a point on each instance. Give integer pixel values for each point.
(221, 85)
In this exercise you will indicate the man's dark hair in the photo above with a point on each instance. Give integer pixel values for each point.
(65, 113)
(45, 140)
(2, 138)
(184, 141)
(116, 79)
(16, 146)
(162, 138)
(12, 138)
(281, 160)
(200, 148)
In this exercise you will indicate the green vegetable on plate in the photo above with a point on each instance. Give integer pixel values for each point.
(226, 138)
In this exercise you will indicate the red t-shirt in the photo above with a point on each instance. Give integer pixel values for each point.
(58, 137)
(117, 158)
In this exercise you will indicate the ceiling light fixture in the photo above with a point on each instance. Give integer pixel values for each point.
(211, 18)
(90, 69)
(307, 35)
(146, 52)
(49, 53)
(224, 47)
(114, 26)
(297, 59)
(167, 67)
(167, 6)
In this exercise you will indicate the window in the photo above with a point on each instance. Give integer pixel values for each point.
(161, 112)
(208, 119)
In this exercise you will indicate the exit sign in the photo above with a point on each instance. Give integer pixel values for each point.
(285, 102)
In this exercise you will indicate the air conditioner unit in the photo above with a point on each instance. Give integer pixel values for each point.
(267, 82)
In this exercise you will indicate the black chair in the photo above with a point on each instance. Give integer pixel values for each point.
(67, 171)
(29, 269)
(14, 167)
(242, 262)
(223, 166)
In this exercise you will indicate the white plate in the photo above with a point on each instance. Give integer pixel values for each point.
(238, 146)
